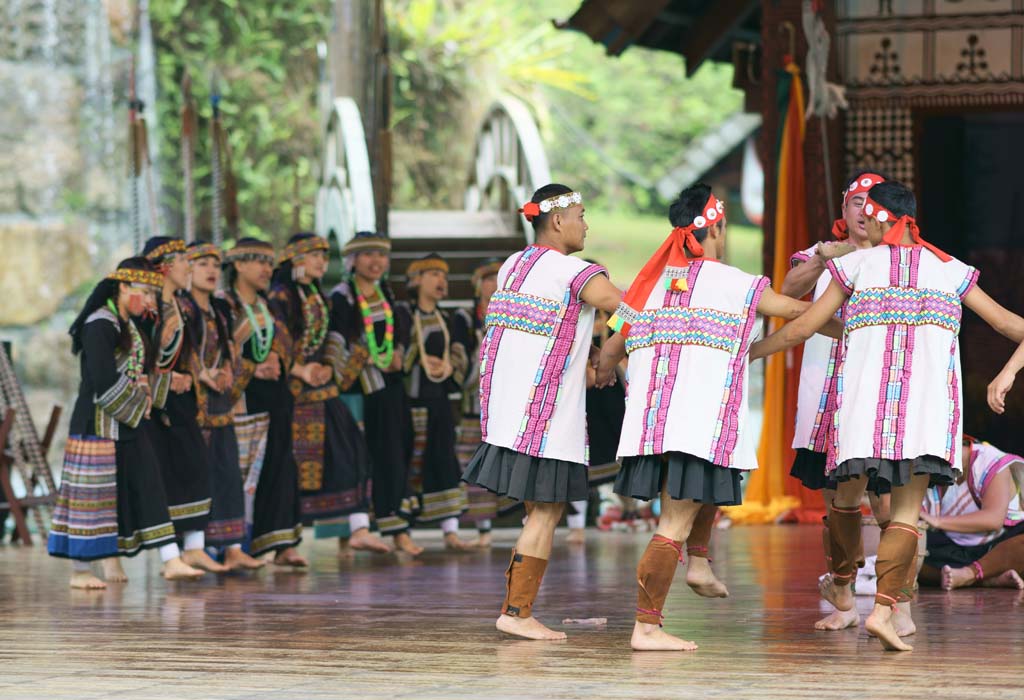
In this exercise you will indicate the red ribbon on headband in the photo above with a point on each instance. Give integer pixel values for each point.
(530, 210)
(900, 224)
(859, 186)
(672, 253)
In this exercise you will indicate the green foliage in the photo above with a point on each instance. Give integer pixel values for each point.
(265, 54)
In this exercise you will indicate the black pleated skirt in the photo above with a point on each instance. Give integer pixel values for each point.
(897, 472)
(687, 477)
(524, 478)
(809, 469)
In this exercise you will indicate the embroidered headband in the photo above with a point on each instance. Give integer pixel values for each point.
(484, 271)
(432, 262)
(671, 254)
(203, 250)
(859, 186)
(148, 278)
(175, 245)
(366, 243)
(531, 210)
(894, 236)
(260, 252)
(303, 247)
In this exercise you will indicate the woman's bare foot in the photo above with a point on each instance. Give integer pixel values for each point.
(236, 559)
(113, 572)
(702, 579)
(177, 570)
(838, 620)
(902, 621)
(453, 543)
(85, 581)
(198, 559)
(290, 557)
(483, 540)
(653, 638)
(841, 597)
(956, 578)
(1010, 579)
(528, 628)
(577, 535)
(404, 544)
(362, 540)
(880, 624)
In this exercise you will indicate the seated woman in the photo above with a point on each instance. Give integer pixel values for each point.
(977, 524)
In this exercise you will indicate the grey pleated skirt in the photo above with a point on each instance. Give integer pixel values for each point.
(897, 472)
(524, 478)
(687, 477)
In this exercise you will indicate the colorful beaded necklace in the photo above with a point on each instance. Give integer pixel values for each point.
(262, 337)
(314, 314)
(137, 354)
(168, 354)
(381, 357)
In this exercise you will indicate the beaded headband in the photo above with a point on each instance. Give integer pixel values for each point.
(485, 270)
(134, 276)
(204, 250)
(171, 247)
(247, 252)
(859, 186)
(419, 266)
(303, 247)
(363, 244)
(531, 210)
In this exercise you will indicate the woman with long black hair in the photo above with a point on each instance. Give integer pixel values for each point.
(111, 500)
(331, 453)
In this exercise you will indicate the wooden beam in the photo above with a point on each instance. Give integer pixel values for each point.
(712, 29)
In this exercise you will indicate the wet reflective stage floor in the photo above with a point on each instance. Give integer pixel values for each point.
(375, 628)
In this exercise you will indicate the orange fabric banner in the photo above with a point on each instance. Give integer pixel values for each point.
(771, 494)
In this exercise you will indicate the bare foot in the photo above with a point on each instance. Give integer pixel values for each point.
(177, 570)
(86, 581)
(363, 540)
(653, 638)
(1010, 579)
(290, 557)
(840, 596)
(528, 628)
(198, 559)
(838, 620)
(236, 559)
(702, 579)
(113, 572)
(577, 536)
(453, 543)
(404, 544)
(484, 540)
(880, 624)
(956, 578)
(902, 621)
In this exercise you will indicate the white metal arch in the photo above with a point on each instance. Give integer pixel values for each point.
(509, 161)
(345, 203)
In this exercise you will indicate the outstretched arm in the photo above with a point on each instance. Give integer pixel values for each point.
(1004, 321)
(781, 306)
(600, 293)
(818, 315)
(802, 277)
(1001, 385)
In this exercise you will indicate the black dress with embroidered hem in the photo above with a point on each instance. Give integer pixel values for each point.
(524, 478)
(686, 476)
(809, 469)
(897, 472)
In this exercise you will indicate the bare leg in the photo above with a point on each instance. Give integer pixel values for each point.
(236, 559)
(290, 557)
(906, 505)
(676, 521)
(364, 540)
(82, 577)
(699, 575)
(405, 545)
(534, 541)
(840, 593)
(837, 619)
(113, 572)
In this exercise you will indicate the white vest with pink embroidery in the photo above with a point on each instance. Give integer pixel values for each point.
(534, 356)
(966, 497)
(899, 390)
(816, 397)
(688, 363)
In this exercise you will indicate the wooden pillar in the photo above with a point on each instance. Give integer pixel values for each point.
(359, 69)
(775, 45)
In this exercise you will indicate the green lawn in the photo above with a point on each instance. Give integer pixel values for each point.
(624, 242)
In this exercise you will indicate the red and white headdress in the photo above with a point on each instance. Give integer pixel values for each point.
(894, 236)
(672, 253)
(859, 186)
(532, 210)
